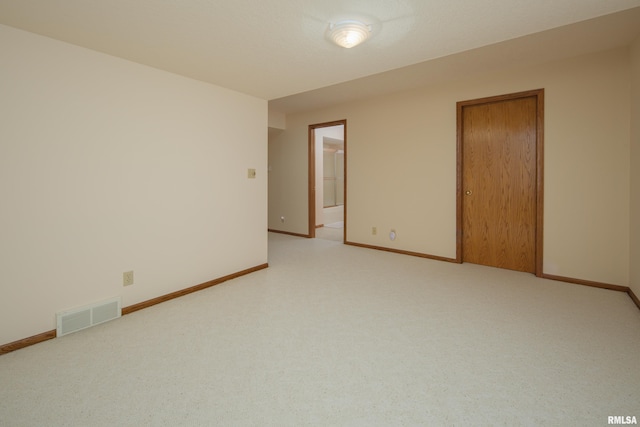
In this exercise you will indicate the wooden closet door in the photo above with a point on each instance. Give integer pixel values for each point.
(499, 184)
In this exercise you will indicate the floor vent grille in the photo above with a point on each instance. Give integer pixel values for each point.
(84, 317)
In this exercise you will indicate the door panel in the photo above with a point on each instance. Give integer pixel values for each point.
(499, 184)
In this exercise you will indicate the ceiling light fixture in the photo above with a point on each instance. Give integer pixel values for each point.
(349, 33)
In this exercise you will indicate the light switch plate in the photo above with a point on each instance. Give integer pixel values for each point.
(251, 173)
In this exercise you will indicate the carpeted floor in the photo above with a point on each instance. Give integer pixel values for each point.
(343, 336)
(338, 224)
(330, 233)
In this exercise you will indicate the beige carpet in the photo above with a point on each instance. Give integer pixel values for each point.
(334, 335)
(338, 224)
(330, 233)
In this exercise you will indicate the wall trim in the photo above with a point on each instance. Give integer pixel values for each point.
(288, 233)
(399, 251)
(154, 301)
(26, 342)
(634, 298)
(586, 283)
(600, 285)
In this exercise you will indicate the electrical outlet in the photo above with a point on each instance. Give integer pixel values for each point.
(374, 230)
(127, 278)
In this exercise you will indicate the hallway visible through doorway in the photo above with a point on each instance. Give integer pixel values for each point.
(327, 183)
(333, 226)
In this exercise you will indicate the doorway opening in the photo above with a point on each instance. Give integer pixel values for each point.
(500, 181)
(327, 180)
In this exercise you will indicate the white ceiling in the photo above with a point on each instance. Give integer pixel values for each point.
(277, 49)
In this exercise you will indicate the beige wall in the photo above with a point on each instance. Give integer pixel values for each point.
(635, 168)
(108, 166)
(411, 187)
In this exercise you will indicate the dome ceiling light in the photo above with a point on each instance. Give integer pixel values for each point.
(349, 33)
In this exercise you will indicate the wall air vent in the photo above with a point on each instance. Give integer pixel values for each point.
(84, 317)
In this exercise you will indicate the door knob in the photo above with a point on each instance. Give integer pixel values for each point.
(468, 192)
